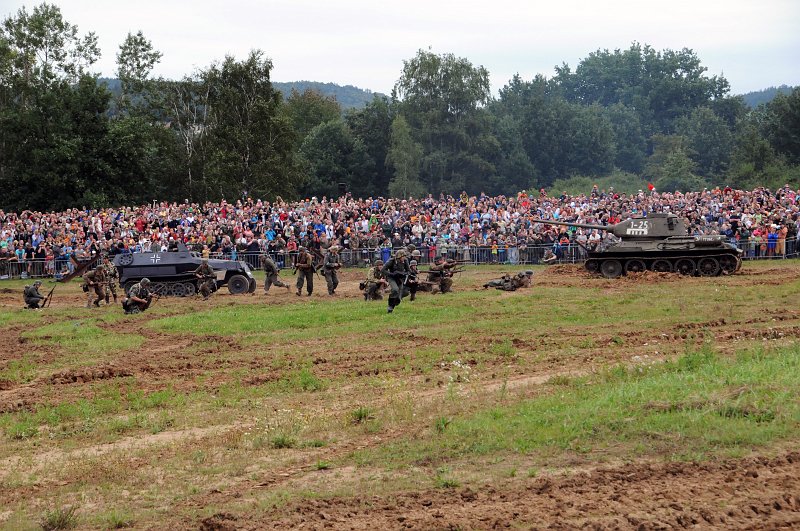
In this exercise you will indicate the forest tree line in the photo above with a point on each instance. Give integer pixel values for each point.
(625, 116)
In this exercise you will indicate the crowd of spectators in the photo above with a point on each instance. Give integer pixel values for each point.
(476, 228)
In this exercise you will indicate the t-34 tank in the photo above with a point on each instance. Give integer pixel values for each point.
(172, 272)
(659, 242)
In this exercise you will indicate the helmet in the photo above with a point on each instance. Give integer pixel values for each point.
(412, 262)
(529, 273)
(401, 253)
(145, 281)
(301, 248)
(378, 262)
(37, 282)
(411, 248)
(415, 253)
(333, 248)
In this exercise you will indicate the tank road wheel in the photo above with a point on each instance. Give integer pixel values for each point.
(126, 259)
(635, 266)
(662, 266)
(685, 266)
(708, 267)
(729, 264)
(592, 266)
(611, 268)
(253, 286)
(128, 285)
(238, 284)
(179, 290)
(189, 289)
(159, 287)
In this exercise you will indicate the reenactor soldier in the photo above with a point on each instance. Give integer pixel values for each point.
(206, 278)
(498, 282)
(112, 279)
(375, 282)
(441, 275)
(139, 297)
(32, 296)
(93, 283)
(396, 272)
(412, 284)
(271, 271)
(330, 267)
(304, 263)
(525, 278)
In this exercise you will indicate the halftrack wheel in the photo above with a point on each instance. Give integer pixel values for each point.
(238, 285)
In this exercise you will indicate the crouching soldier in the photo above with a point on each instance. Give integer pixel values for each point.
(375, 284)
(32, 296)
(139, 297)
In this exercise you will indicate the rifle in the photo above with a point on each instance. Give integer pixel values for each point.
(49, 297)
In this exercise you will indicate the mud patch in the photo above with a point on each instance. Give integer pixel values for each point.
(88, 375)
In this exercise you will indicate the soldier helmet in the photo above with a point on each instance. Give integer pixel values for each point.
(145, 281)
(334, 248)
(301, 248)
(379, 262)
(439, 259)
(415, 253)
(521, 274)
(204, 260)
(411, 247)
(401, 253)
(412, 262)
(37, 282)
(529, 273)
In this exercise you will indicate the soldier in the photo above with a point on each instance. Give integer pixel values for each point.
(330, 266)
(440, 274)
(525, 278)
(139, 297)
(112, 279)
(206, 278)
(412, 284)
(94, 282)
(271, 271)
(375, 283)
(549, 257)
(396, 271)
(32, 296)
(498, 282)
(304, 263)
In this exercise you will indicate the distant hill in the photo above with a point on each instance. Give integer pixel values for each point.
(754, 99)
(348, 96)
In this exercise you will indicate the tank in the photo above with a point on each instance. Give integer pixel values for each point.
(172, 272)
(659, 242)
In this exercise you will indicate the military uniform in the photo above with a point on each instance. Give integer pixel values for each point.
(32, 296)
(305, 271)
(374, 283)
(498, 282)
(271, 271)
(112, 279)
(440, 274)
(412, 284)
(396, 271)
(140, 290)
(330, 267)
(94, 283)
(206, 276)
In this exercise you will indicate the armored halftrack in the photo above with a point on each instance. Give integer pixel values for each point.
(171, 273)
(659, 242)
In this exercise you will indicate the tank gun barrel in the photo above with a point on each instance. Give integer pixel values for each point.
(573, 224)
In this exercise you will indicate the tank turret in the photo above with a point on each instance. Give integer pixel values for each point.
(659, 242)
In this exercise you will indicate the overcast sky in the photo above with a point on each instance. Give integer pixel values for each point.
(753, 43)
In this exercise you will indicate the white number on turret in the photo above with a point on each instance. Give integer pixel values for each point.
(638, 228)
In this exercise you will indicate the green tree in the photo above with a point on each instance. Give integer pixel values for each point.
(781, 125)
(372, 125)
(135, 61)
(334, 155)
(404, 158)
(709, 140)
(306, 110)
(249, 146)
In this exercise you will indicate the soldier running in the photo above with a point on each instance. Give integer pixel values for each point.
(94, 282)
(396, 271)
(206, 278)
(271, 272)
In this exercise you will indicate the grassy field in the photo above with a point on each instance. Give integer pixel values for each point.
(256, 408)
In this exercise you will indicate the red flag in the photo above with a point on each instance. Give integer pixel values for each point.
(650, 187)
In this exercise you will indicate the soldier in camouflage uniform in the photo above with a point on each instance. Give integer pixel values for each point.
(32, 296)
(112, 279)
(498, 282)
(375, 283)
(396, 271)
(440, 274)
(271, 271)
(138, 298)
(93, 284)
(330, 268)
(206, 278)
(304, 263)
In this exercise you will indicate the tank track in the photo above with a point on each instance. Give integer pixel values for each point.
(178, 288)
(706, 265)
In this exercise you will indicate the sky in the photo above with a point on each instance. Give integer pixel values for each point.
(754, 44)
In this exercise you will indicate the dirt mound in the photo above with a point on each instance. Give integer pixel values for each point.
(219, 522)
(574, 270)
(88, 375)
(746, 493)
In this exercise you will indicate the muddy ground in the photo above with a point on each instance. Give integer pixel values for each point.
(760, 491)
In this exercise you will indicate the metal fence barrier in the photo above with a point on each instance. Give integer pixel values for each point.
(365, 257)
